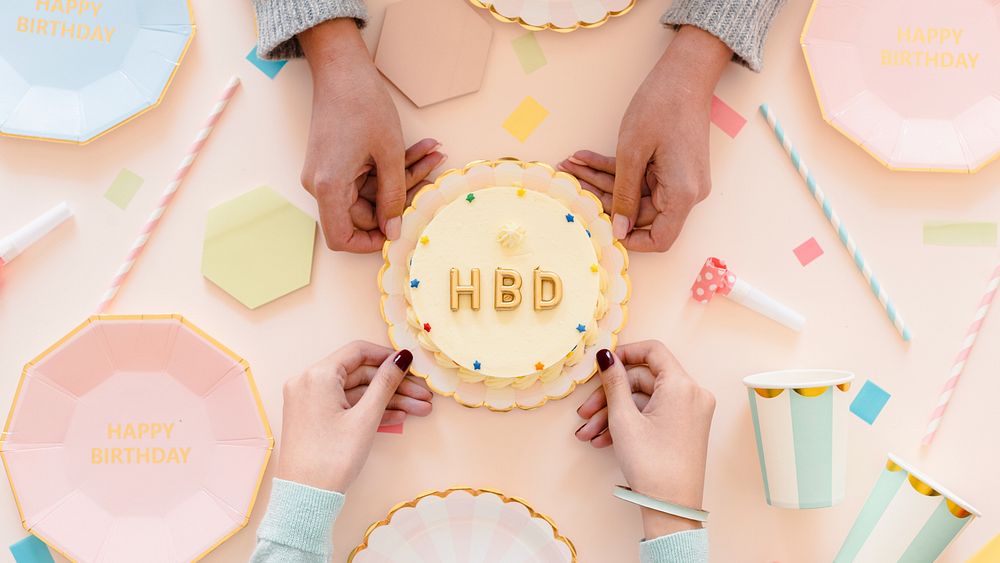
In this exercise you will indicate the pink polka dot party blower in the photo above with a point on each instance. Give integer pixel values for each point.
(715, 278)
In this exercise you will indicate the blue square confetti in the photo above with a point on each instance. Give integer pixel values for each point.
(869, 402)
(270, 68)
(31, 550)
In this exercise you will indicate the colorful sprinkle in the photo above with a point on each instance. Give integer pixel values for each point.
(593, 268)
(414, 283)
(470, 197)
(581, 328)
(539, 366)
(588, 232)
(424, 239)
(570, 218)
(427, 327)
(476, 365)
(520, 192)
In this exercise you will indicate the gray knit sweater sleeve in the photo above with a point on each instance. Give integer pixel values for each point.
(280, 21)
(740, 24)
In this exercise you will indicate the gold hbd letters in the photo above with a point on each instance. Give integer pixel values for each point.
(930, 47)
(50, 20)
(136, 432)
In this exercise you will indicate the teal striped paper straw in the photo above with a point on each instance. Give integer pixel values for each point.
(838, 225)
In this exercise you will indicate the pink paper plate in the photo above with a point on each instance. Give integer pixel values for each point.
(916, 83)
(135, 438)
(558, 15)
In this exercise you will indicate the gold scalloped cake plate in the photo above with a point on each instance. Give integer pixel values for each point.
(466, 525)
(394, 280)
(558, 15)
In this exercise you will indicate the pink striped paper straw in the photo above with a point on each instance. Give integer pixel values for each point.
(960, 359)
(168, 194)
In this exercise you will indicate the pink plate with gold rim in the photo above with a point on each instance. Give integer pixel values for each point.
(557, 15)
(135, 439)
(916, 83)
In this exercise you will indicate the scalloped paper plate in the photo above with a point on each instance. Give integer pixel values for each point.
(558, 15)
(481, 175)
(464, 525)
(72, 70)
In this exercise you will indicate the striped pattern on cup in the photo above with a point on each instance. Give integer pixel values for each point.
(906, 518)
(801, 435)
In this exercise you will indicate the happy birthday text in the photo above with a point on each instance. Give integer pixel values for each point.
(139, 431)
(52, 25)
(930, 47)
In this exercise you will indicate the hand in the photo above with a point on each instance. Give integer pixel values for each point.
(662, 165)
(354, 136)
(658, 418)
(331, 413)
(421, 158)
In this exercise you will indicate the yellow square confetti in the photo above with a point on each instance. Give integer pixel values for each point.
(528, 115)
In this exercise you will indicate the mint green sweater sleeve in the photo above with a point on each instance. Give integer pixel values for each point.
(683, 547)
(298, 525)
(298, 528)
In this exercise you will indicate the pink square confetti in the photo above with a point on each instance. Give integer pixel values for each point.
(726, 118)
(391, 429)
(808, 251)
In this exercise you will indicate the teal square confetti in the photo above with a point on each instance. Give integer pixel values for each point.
(31, 550)
(869, 402)
(270, 68)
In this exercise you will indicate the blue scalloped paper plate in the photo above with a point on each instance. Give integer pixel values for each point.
(72, 70)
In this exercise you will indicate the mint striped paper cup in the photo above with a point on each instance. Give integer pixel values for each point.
(800, 423)
(907, 517)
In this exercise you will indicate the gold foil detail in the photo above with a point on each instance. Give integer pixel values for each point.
(844, 386)
(458, 290)
(957, 511)
(507, 289)
(891, 466)
(769, 393)
(541, 278)
(811, 391)
(921, 487)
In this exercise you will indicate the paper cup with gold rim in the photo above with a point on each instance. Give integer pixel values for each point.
(464, 525)
(908, 517)
(800, 426)
(558, 15)
(403, 293)
(72, 70)
(135, 438)
(914, 83)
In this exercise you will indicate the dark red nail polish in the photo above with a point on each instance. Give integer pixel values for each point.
(403, 360)
(605, 359)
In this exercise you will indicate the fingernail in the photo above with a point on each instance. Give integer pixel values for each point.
(560, 166)
(436, 147)
(403, 360)
(601, 433)
(580, 428)
(393, 227)
(576, 160)
(443, 157)
(605, 359)
(619, 226)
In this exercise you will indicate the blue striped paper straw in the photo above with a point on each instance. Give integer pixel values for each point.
(838, 225)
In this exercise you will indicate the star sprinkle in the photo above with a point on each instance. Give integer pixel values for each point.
(470, 197)
(588, 232)
(476, 365)
(581, 328)
(414, 283)
(521, 192)
(427, 327)
(570, 218)
(539, 366)
(424, 239)
(593, 268)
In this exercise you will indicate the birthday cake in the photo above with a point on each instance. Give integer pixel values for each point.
(505, 279)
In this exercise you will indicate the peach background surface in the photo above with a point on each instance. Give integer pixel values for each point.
(758, 212)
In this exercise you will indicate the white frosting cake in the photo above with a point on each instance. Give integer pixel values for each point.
(506, 285)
